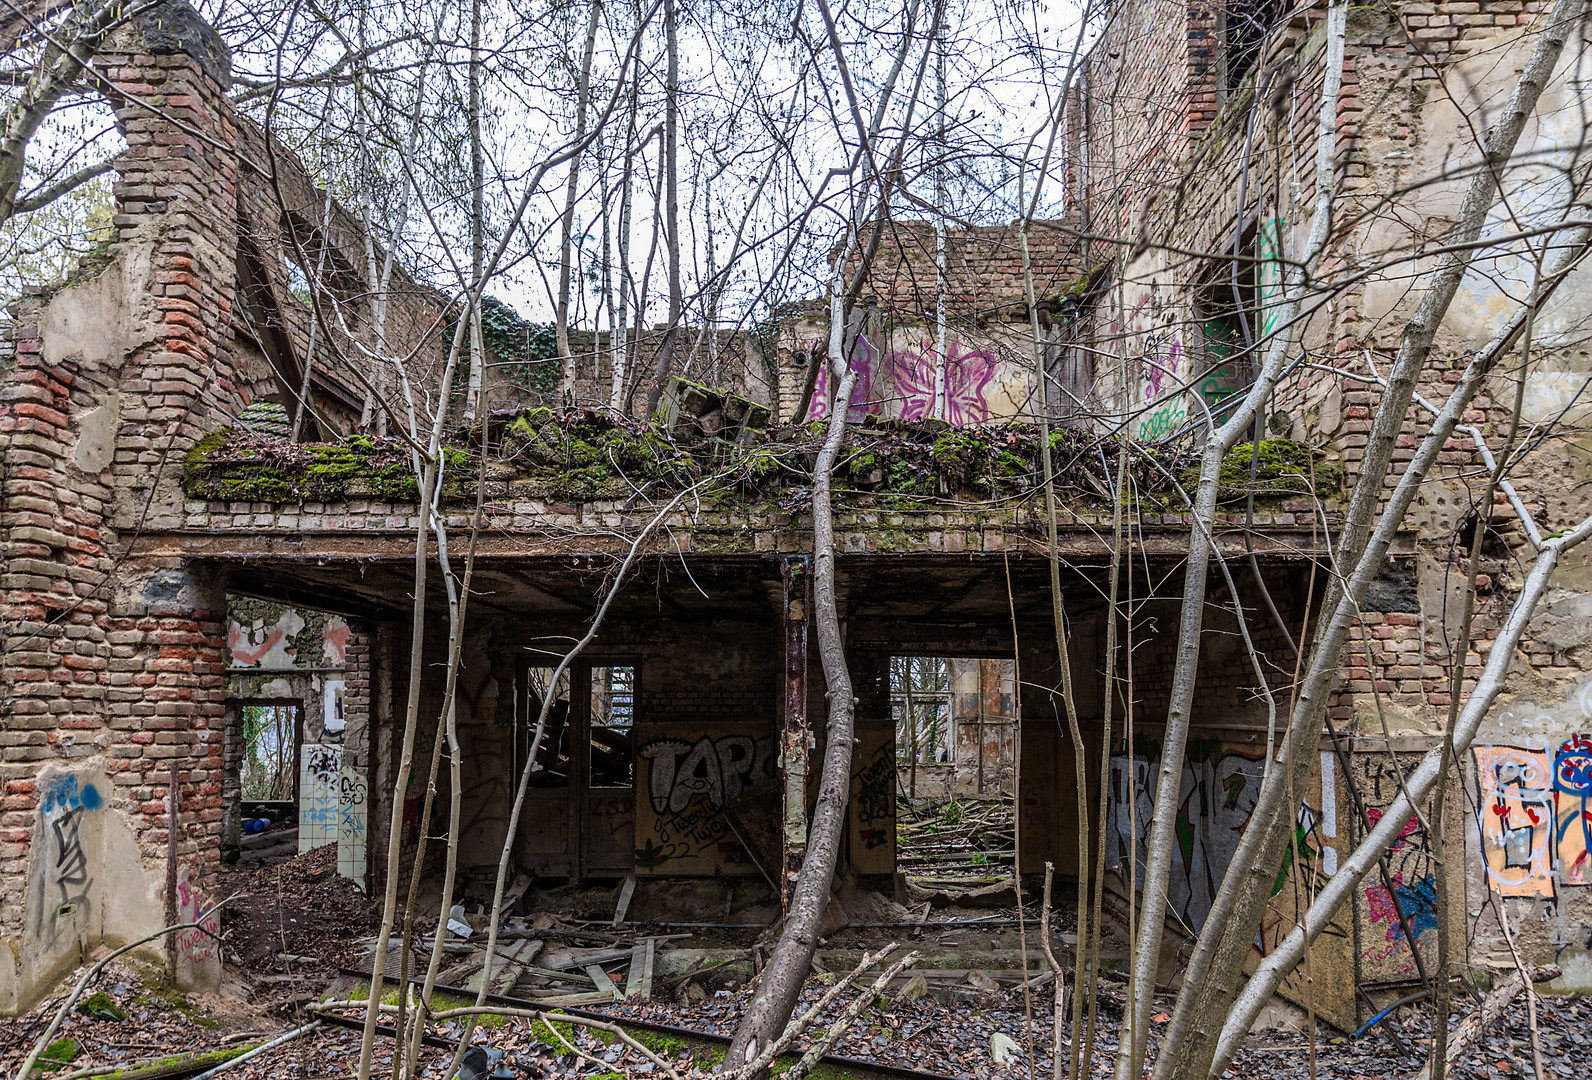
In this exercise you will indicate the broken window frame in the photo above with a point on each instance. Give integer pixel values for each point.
(1230, 301)
(939, 699)
(627, 726)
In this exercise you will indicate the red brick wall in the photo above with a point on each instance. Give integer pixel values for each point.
(114, 661)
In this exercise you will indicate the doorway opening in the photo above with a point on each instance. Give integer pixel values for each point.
(270, 782)
(956, 762)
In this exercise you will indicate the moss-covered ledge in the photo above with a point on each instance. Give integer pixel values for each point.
(576, 456)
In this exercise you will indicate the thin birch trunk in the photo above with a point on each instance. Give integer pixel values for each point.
(571, 186)
(477, 216)
(1202, 1008)
(518, 806)
(940, 290)
(671, 207)
(1131, 1052)
(766, 1015)
(620, 366)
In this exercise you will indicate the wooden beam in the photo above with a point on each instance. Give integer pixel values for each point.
(796, 735)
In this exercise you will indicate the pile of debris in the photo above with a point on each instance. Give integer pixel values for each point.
(957, 853)
(554, 960)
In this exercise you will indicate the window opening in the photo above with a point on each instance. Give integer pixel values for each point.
(269, 738)
(551, 768)
(613, 717)
(1226, 312)
(920, 700)
(1245, 26)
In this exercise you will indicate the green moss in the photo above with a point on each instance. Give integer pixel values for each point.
(958, 456)
(165, 997)
(178, 1064)
(1281, 468)
(62, 1050)
(100, 1006)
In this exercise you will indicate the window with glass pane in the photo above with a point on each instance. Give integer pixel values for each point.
(920, 699)
(613, 715)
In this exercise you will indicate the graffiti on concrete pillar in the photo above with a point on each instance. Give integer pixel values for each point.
(62, 808)
(1515, 818)
(196, 944)
(320, 772)
(1387, 950)
(352, 795)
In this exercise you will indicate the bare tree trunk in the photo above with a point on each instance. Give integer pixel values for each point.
(781, 985)
(567, 223)
(620, 365)
(671, 208)
(1131, 1052)
(477, 217)
(939, 228)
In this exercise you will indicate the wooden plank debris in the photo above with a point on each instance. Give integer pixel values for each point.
(584, 959)
(626, 891)
(511, 971)
(641, 963)
(599, 979)
(507, 961)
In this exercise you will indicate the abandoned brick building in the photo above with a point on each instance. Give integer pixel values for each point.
(174, 556)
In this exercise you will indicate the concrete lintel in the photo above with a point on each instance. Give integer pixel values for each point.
(255, 545)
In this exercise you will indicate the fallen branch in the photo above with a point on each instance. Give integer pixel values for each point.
(245, 1054)
(797, 1025)
(92, 974)
(546, 1016)
(1470, 1029)
(846, 1019)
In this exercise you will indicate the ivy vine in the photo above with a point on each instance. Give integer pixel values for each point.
(528, 350)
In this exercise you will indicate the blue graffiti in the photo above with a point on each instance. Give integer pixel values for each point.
(1419, 902)
(64, 794)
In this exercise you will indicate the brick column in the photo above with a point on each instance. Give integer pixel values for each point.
(111, 678)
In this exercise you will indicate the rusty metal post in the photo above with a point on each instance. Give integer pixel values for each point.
(796, 738)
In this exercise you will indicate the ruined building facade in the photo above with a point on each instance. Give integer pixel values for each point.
(165, 549)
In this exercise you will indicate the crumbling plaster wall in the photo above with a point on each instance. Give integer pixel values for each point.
(113, 672)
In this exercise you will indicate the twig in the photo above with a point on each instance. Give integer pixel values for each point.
(93, 973)
(847, 1018)
(548, 1017)
(799, 1024)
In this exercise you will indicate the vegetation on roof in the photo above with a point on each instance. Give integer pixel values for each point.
(581, 455)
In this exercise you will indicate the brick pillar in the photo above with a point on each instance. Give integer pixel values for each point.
(177, 198)
(112, 666)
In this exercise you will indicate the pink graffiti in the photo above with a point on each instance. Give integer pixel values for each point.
(860, 406)
(196, 944)
(968, 374)
(1374, 815)
(1159, 373)
(335, 640)
(245, 655)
